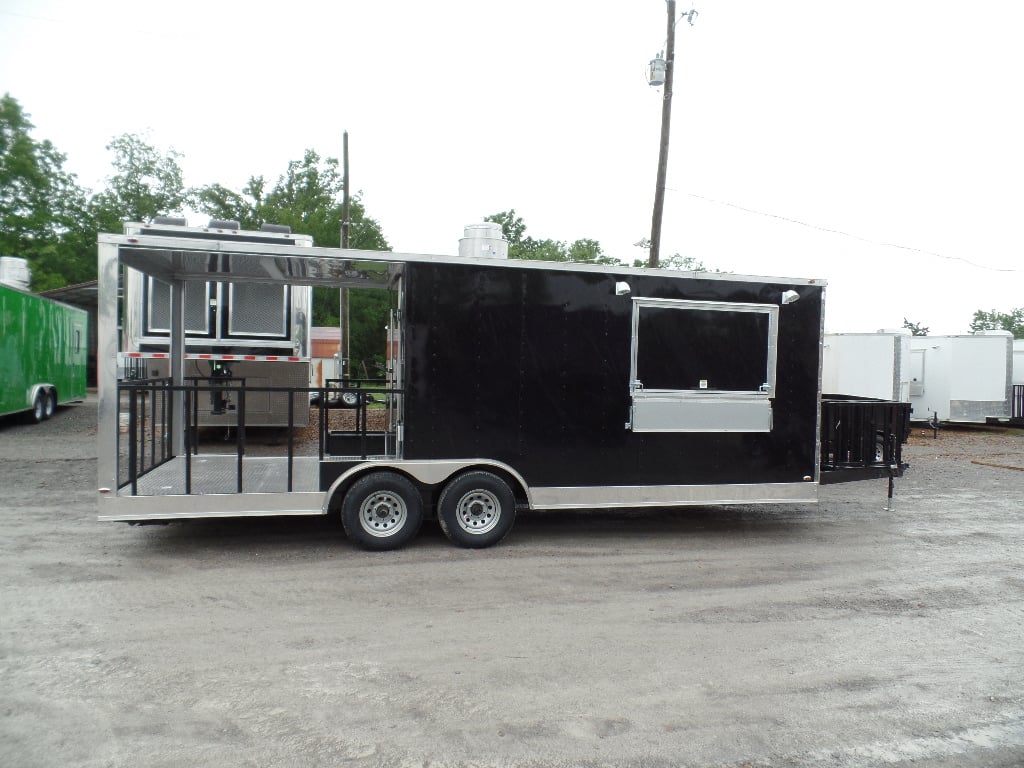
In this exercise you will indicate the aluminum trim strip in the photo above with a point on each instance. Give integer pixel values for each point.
(817, 405)
(126, 508)
(601, 497)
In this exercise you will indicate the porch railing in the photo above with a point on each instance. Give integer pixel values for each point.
(147, 421)
(861, 437)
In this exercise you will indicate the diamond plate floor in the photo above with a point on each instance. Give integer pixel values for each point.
(218, 473)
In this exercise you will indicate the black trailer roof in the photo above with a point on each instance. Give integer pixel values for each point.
(180, 258)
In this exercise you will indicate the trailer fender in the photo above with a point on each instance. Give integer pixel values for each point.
(432, 474)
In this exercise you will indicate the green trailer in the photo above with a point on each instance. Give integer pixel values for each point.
(43, 348)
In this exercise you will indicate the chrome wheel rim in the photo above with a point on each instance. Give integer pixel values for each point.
(383, 514)
(478, 511)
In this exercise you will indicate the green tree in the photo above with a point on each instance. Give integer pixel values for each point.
(40, 202)
(522, 246)
(1012, 321)
(512, 226)
(146, 183)
(675, 261)
(308, 197)
(245, 207)
(916, 329)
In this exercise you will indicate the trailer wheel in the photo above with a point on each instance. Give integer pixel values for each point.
(476, 510)
(382, 510)
(38, 412)
(50, 403)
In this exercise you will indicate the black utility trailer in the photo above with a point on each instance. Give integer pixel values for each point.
(509, 385)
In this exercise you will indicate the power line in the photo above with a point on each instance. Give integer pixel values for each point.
(844, 234)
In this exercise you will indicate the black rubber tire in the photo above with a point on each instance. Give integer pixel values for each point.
(50, 404)
(383, 510)
(476, 510)
(38, 412)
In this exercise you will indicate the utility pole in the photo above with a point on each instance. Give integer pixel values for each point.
(666, 120)
(343, 300)
(345, 198)
(663, 157)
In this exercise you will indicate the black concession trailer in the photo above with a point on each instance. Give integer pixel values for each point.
(508, 385)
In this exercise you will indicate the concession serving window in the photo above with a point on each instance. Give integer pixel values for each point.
(701, 366)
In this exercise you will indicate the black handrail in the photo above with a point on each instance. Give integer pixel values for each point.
(143, 418)
(330, 397)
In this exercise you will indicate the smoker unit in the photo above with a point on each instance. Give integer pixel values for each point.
(234, 329)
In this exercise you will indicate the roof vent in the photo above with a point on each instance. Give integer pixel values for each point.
(223, 224)
(283, 229)
(485, 240)
(176, 221)
(14, 271)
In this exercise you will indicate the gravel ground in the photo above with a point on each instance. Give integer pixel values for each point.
(839, 635)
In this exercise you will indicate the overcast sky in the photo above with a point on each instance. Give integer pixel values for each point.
(878, 145)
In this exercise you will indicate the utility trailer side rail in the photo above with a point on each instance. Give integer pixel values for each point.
(862, 438)
(1017, 405)
(147, 419)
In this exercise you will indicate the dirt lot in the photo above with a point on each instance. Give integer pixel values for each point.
(842, 635)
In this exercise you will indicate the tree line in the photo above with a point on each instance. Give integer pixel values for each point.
(51, 220)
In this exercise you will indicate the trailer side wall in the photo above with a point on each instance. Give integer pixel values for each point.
(532, 368)
(42, 343)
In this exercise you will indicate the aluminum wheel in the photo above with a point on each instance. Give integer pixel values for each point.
(383, 513)
(478, 511)
(382, 510)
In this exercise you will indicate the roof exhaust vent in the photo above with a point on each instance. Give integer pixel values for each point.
(176, 221)
(15, 272)
(282, 229)
(223, 224)
(484, 240)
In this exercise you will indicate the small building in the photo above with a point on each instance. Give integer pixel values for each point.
(325, 343)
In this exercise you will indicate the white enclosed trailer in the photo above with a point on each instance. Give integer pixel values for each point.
(875, 365)
(964, 378)
(1017, 399)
